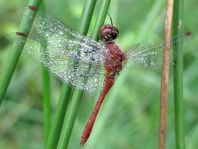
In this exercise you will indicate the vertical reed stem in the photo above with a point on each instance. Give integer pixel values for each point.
(178, 75)
(57, 122)
(165, 74)
(46, 94)
(46, 104)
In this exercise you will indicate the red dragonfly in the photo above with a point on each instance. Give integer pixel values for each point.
(81, 61)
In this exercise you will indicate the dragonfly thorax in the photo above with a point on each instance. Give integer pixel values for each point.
(108, 33)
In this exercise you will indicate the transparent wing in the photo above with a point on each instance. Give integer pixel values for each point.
(75, 59)
(60, 39)
(83, 75)
(150, 55)
(146, 56)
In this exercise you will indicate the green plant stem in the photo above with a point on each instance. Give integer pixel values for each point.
(46, 95)
(100, 18)
(59, 117)
(72, 111)
(15, 53)
(178, 75)
(46, 103)
(86, 16)
(69, 120)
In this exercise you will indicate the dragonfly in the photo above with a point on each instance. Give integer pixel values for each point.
(82, 62)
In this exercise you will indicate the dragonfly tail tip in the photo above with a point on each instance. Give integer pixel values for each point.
(82, 143)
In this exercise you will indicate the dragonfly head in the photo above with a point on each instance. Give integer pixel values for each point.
(108, 33)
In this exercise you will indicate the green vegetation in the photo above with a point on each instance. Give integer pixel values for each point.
(46, 97)
(178, 76)
(15, 53)
(129, 117)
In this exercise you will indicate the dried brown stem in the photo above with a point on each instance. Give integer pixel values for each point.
(165, 74)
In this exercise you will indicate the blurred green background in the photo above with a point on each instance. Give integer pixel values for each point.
(129, 117)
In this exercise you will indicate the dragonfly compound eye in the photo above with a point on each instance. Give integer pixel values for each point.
(113, 35)
(108, 33)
